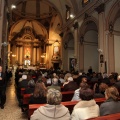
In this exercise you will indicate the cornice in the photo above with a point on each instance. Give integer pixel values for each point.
(87, 9)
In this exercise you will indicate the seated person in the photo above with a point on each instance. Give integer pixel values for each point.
(86, 108)
(30, 88)
(99, 90)
(71, 85)
(39, 94)
(55, 84)
(82, 85)
(111, 105)
(53, 110)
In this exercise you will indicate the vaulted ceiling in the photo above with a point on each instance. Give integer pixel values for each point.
(47, 14)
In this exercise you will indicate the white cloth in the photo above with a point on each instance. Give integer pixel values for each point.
(76, 95)
(85, 110)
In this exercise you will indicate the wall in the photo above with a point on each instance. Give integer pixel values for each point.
(117, 46)
(90, 51)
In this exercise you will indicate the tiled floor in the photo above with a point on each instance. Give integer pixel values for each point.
(11, 110)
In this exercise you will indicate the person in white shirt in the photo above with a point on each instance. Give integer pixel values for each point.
(77, 92)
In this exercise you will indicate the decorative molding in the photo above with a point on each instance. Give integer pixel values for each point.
(100, 8)
(75, 25)
(61, 34)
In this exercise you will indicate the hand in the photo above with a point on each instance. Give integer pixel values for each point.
(0, 78)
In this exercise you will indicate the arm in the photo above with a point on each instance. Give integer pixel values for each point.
(74, 116)
(35, 115)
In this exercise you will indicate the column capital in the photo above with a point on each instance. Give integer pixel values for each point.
(75, 25)
(100, 8)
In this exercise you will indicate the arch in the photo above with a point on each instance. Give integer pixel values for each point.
(84, 25)
(112, 15)
(25, 20)
(47, 2)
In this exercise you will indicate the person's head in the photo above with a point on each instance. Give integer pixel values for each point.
(40, 89)
(0, 68)
(118, 78)
(66, 76)
(29, 77)
(112, 92)
(84, 85)
(31, 84)
(55, 81)
(70, 79)
(86, 94)
(84, 79)
(54, 97)
(24, 77)
(103, 87)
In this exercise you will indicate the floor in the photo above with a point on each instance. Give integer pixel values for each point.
(11, 109)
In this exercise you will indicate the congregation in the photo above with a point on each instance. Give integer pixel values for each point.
(47, 86)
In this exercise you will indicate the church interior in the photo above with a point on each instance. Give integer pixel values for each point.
(68, 35)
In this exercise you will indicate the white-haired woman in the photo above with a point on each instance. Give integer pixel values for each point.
(53, 110)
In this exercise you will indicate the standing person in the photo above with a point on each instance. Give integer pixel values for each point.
(2, 88)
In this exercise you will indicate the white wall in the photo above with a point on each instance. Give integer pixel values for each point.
(117, 46)
(90, 51)
(90, 58)
(117, 53)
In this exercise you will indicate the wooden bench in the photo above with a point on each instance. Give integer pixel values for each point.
(108, 117)
(66, 96)
(22, 91)
(68, 104)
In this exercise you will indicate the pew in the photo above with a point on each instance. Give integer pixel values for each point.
(66, 96)
(22, 91)
(108, 117)
(68, 104)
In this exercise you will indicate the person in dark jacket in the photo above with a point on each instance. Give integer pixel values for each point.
(117, 84)
(39, 94)
(30, 88)
(71, 85)
(111, 105)
(2, 88)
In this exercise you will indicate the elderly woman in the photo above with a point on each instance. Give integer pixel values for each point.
(111, 105)
(53, 110)
(86, 108)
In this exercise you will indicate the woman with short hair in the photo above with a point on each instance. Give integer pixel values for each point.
(86, 108)
(53, 110)
(111, 105)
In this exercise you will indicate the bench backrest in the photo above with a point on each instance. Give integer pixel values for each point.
(68, 104)
(108, 117)
(66, 96)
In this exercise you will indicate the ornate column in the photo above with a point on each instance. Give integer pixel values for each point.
(38, 54)
(2, 5)
(21, 55)
(17, 52)
(101, 37)
(76, 45)
(34, 55)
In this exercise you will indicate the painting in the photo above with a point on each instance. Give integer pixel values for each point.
(101, 59)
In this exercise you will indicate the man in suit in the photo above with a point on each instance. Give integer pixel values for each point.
(2, 88)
